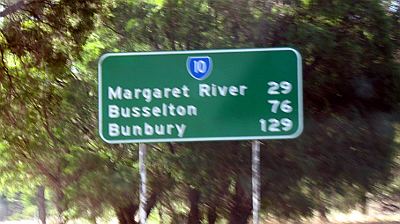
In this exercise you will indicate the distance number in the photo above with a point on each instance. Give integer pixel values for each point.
(283, 106)
(279, 88)
(275, 125)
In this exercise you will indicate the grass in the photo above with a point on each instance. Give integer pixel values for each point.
(354, 217)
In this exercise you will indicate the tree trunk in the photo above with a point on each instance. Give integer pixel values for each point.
(321, 207)
(93, 220)
(160, 215)
(194, 214)
(241, 209)
(216, 202)
(60, 206)
(41, 203)
(151, 202)
(120, 216)
(212, 215)
(322, 214)
(126, 215)
(364, 204)
(3, 208)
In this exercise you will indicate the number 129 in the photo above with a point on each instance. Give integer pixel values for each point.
(275, 125)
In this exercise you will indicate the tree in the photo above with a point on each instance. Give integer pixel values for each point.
(48, 105)
(38, 125)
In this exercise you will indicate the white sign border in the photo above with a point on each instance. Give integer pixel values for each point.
(238, 138)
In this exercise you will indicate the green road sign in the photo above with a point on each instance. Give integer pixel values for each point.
(200, 95)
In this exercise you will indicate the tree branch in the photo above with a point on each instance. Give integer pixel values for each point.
(14, 8)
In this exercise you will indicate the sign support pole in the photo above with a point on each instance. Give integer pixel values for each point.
(143, 180)
(255, 169)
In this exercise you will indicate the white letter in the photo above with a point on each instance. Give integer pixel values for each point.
(275, 105)
(242, 90)
(146, 112)
(222, 90)
(147, 95)
(169, 128)
(233, 90)
(176, 92)
(137, 92)
(125, 131)
(181, 129)
(148, 129)
(204, 89)
(192, 110)
(263, 124)
(156, 111)
(113, 111)
(157, 93)
(181, 111)
(136, 130)
(135, 111)
(185, 90)
(159, 129)
(127, 94)
(113, 130)
(166, 92)
(117, 93)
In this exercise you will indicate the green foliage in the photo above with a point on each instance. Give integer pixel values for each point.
(48, 107)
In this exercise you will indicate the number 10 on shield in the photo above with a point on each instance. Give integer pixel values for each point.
(199, 67)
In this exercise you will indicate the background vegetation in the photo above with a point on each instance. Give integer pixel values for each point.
(53, 163)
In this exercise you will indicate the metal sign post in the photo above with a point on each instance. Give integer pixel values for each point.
(256, 183)
(143, 180)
